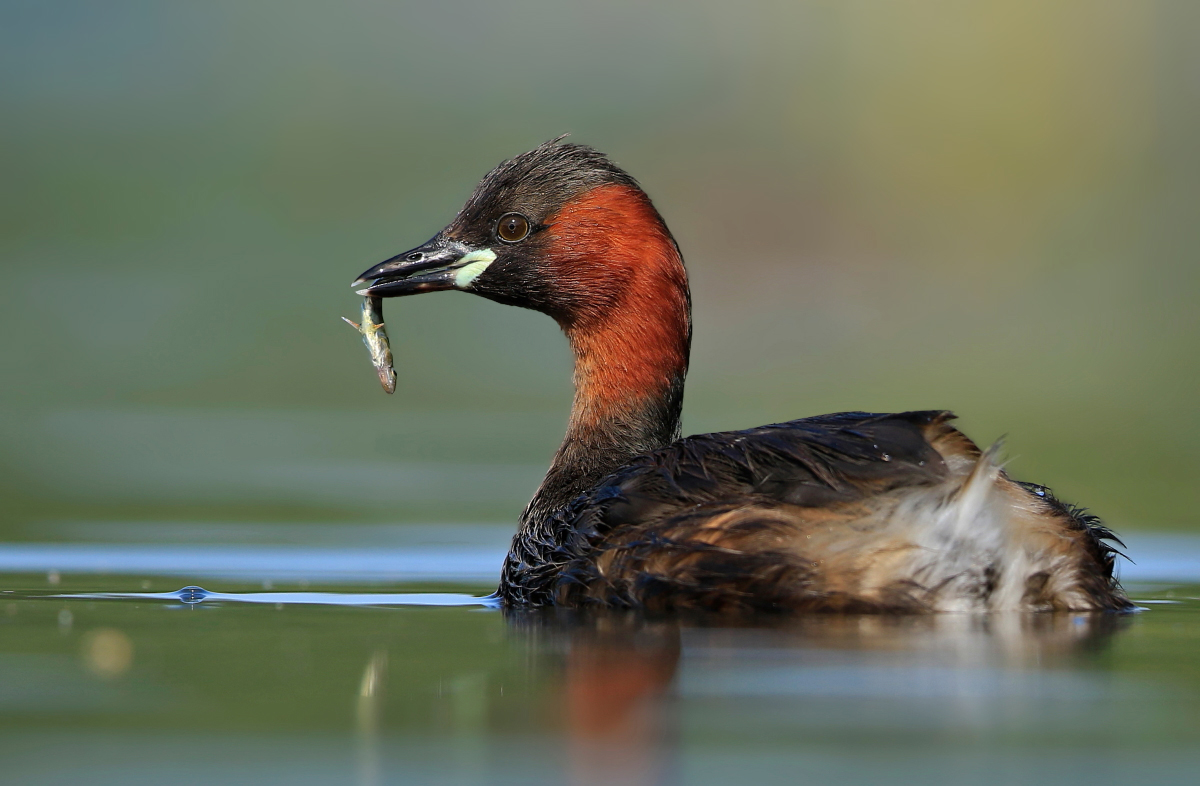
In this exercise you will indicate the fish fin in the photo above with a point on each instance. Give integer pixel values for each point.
(352, 324)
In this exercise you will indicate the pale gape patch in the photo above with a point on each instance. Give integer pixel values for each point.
(472, 265)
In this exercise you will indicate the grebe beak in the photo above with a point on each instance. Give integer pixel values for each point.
(440, 264)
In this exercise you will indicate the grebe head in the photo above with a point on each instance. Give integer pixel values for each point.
(559, 229)
(563, 230)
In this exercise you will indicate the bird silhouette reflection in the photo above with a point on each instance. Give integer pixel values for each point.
(624, 679)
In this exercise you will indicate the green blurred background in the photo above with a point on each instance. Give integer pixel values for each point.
(989, 207)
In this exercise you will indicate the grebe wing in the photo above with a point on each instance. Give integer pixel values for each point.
(850, 511)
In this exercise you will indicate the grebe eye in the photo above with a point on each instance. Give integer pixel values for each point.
(513, 227)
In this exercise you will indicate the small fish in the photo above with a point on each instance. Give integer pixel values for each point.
(376, 338)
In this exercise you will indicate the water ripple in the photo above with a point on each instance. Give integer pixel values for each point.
(193, 595)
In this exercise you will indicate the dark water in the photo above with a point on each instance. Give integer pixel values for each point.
(114, 677)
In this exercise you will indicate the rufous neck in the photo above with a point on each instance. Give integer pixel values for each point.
(631, 358)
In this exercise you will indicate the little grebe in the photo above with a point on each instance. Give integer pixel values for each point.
(844, 512)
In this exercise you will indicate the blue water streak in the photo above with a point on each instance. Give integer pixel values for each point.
(193, 595)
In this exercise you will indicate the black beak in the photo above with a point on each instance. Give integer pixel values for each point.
(434, 266)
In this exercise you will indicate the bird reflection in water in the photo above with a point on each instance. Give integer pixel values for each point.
(616, 671)
(1010, 640)
(624, 677)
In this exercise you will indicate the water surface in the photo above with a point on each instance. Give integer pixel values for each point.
(320, 660)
